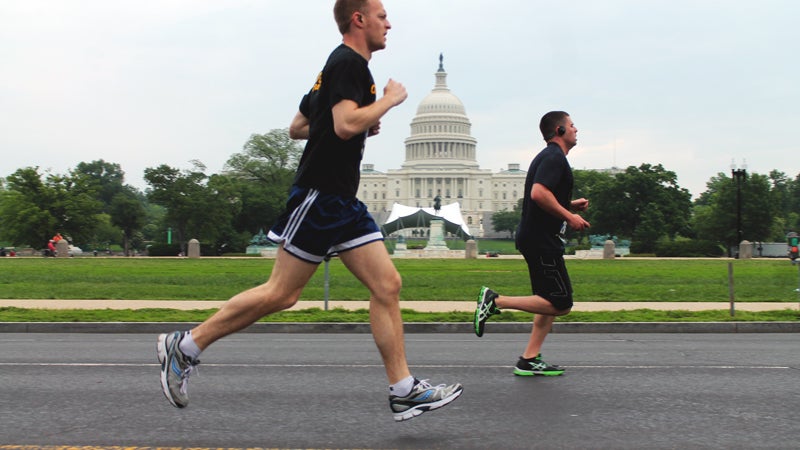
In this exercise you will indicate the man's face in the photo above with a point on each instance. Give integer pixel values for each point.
(376, 25)
(571, 136)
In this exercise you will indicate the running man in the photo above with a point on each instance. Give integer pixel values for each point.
(547, 211)
(324, 217)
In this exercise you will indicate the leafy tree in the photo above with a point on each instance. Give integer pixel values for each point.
(270, 158)
(104, 177)
(506, 221)
(261, 175)
(716, 210)
(127, 213)
(645, 203)
(193, 208)
(32, 209)
(589, 184)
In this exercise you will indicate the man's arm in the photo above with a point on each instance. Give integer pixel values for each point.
(548, 202)
(298, 129)
(349, 120)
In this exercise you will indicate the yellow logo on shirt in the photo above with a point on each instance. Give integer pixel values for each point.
(372, 90)
(319, 83)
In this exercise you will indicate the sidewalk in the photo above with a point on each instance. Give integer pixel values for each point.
(420, 306)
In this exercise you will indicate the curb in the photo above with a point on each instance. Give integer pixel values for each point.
(413, 327)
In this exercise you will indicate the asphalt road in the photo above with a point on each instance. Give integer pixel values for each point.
(329, 391)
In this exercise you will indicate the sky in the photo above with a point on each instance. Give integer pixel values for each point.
(692, 85)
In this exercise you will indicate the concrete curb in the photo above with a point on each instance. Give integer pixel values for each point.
(415, 327)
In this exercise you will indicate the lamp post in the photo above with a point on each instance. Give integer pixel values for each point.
(739, 175)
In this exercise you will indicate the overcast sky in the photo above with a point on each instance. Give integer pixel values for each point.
(688, 84)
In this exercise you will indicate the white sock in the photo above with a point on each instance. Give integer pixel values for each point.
(402, 387)
(188, 347)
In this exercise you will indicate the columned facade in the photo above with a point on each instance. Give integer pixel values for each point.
(440, 160)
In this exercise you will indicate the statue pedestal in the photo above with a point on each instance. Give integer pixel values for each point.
(436, 239)
(436, 246)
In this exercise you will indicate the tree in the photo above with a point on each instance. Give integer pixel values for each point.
(32, 209)
(270, 158)
(716, 210)
(589, 184)
(262, 175)
(127, 213)
(192, 206)
(105, 178)
(506, 221)
(645, 203)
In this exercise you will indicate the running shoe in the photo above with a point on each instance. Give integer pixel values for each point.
(175, 368)
(423, 397)
(536, 366)
(485, 309)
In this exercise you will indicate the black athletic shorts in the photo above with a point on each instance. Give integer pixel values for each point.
(316, 225)
(549, 278)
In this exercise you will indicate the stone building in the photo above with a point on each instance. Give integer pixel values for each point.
(441, 161)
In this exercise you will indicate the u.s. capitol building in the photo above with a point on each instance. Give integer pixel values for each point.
(440, 160)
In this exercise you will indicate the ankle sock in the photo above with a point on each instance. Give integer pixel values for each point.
(402, 387)
(188, 346)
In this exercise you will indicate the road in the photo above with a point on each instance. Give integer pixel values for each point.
(628, 391)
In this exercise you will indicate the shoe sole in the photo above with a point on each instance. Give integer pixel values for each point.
(526, 373)
(161, 353)
(417, 410)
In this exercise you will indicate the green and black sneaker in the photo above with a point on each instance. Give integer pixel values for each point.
(485, 309)
(536, 366)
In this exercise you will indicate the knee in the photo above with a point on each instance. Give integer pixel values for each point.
(393, 284)
(389, 288)
(276, 299)
(563, 312)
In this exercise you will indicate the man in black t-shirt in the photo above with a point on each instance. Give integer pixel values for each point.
(546, 214)
(323, 217)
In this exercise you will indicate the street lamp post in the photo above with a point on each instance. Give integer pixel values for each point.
(739, 175)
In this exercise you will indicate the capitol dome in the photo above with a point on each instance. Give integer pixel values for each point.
(441, 129)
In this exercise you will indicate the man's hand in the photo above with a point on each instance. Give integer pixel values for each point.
(577, 222)
(375, 129)
(580, 204)
(395, 92)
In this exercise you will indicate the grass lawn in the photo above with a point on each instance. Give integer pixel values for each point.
(684, 280)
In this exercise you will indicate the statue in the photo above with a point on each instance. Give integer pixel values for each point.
(437, 204)
(260, 238)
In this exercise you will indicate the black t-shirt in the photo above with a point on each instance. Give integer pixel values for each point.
(538, 230)
(329, 163)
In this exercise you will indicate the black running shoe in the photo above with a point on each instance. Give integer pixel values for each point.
(536, 366)
(485, 309)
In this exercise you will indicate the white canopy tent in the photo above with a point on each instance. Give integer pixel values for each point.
(403, 216)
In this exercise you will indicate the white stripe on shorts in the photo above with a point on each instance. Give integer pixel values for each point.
(297, 216)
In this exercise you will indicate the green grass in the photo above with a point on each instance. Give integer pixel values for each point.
(684, 280)
(423, 279)
(341, 315)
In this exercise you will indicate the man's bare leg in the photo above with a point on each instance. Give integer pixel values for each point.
(287, 280)
(542, 324)
(372, 266)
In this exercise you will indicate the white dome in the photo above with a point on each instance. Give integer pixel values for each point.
(441, 101)
(441, 130)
